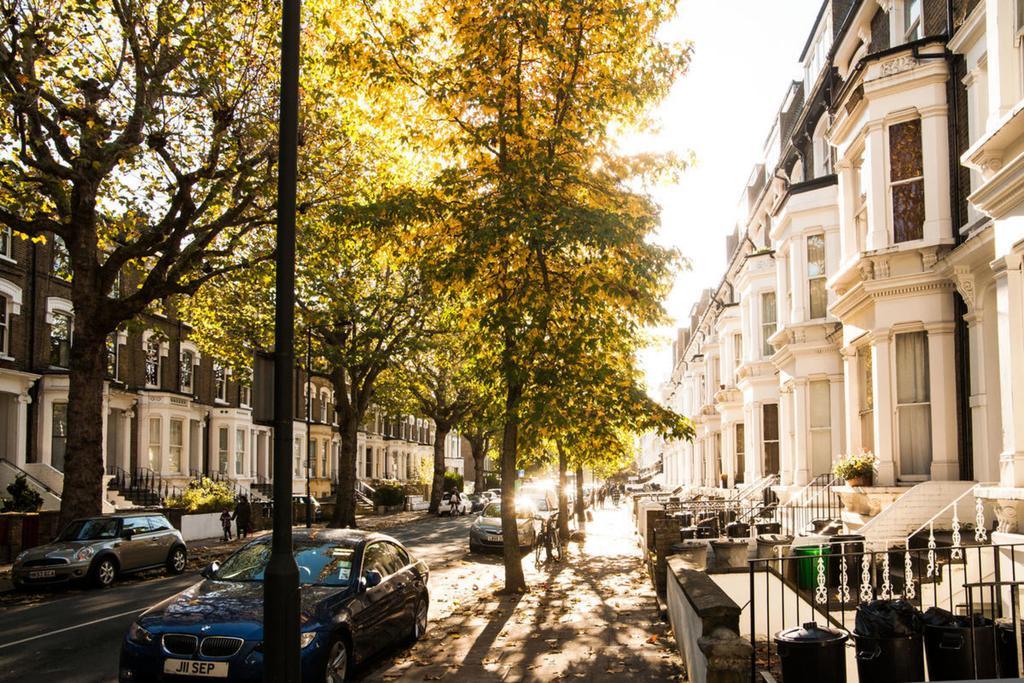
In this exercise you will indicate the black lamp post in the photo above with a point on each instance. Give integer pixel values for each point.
(309, 420)
(281, 582)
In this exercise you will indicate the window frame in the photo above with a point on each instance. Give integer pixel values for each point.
(189, 387)
(902, 182)
(223, 450)
(5, 325)
(7, 244)
(155, 441)
(173, 447)
(823, 428)
(902, 407)
(240, 433)
(60, 265)
(152, 343)
(113, 351)
(767, 351)
(220, 383)
(866, 399)
(915, 26)
(766, 441)
(64, 353)
(59, 408)
(816, 280)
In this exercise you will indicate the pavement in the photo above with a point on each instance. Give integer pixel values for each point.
(593, 617)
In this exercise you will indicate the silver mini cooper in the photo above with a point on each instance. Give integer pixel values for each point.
(98, 549)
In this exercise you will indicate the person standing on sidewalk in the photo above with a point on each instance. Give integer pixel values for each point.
(225, 524)
(243, 517)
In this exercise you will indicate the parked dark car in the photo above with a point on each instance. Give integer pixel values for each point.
(98, 549)
(360, 592)
(485, 532)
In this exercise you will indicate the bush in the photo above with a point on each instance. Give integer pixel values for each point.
(203, 495)
(23, 498)
(452, 480)
(855, 465)
(491, 481)
(389, 493)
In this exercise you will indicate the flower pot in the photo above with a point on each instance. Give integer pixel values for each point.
(860, 480)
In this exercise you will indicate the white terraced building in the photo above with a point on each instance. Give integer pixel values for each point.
(874, 293)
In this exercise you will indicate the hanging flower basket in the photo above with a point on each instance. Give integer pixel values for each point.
(857, 470)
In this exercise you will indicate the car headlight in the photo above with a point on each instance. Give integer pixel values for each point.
(84, 554)
(139, 635)
(21, 556)
(306, 638)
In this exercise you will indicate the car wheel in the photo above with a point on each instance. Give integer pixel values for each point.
(336, 668)
(104, 572)
(177, 560)
(419, 626)
(473, 547)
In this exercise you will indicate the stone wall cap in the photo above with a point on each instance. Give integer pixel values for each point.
(705, 596)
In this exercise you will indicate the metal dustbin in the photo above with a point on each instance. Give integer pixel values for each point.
(705, 531)
(737, 530)
(685, 518)
(768, 528)
(730, 553)
(1006, 649)
(952, 655)
(812, 654)
(850, 547)
(694, 553)
(767, 544)
(807, 566)
(688, 533)
(896, 659)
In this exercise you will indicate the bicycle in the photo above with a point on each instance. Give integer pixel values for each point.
(549, 541)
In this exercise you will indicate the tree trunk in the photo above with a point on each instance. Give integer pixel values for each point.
(83, 463)
(515, 582)
(581, 514)
(478, 447)
(345, 501)
(437, 488)
(563, 500)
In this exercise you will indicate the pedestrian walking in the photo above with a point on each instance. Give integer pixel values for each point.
(243, 517)
(225, 524)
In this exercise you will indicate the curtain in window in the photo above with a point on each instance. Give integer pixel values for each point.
(913, 396)
(767, 322)
(154, 443)
(59, 436)
(222, 450)
(177, 442)
(239, 450)
(741, 464)
(818, 298)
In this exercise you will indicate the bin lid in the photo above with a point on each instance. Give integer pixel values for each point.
(774, 539)
(810, 633)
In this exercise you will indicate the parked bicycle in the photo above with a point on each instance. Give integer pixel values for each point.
(550, 546)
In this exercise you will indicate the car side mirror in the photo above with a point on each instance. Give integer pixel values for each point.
(372, 578)
(210, 570)
(128, 534)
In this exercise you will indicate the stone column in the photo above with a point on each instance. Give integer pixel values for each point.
(935, 156)
(787, 461)
(837, 423)
(851, 404)
(1009, 307)
(126, 440)
(882, 379)
(879, 235)
(801, 445)
(20, 428)
(848, 229)
(798, 273)
(754, 452)
(941, 368)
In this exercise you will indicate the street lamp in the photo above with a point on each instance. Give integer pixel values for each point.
(281, 579)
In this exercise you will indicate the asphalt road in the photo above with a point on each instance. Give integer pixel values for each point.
(75, 635)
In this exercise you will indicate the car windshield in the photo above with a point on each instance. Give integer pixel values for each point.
(321, 562)
(524, 510)
(90, 530)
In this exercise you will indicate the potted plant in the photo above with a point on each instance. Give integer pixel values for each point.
(857, 470)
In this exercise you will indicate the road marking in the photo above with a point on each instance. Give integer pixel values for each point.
(72, 628)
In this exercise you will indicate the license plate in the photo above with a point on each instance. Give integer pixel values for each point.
(494, 539)
(42, 574)
(191, 667)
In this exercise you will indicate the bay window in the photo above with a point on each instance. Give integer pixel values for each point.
(816, 293)
(741, 464)
(155, 443)
(6, 243)
(912, 29)
(222, 450)
(768, 319)
(906, 181)
(770, 429)
(239, 451)
(176, 445)
(913, 403)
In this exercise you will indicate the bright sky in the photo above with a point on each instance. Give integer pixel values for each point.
(745, 55)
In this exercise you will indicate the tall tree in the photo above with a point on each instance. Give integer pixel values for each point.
(140, 134)
(539, 201)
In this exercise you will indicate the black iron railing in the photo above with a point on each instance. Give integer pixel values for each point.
(827, 582)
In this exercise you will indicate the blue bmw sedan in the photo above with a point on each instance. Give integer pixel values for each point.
(360, 593)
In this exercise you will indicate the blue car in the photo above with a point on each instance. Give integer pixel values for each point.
(360, 592)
